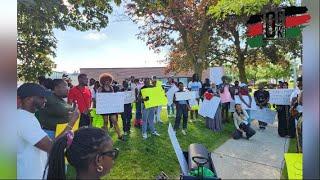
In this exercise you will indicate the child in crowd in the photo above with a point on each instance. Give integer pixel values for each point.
(182, 110)
(195, 85)
(240, 118)
(127, 114)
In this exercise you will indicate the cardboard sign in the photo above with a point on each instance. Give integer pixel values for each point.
(294, 165)
(110, 102)
(265, 115)
(129, 97)
(60, 127)
(209, 108)
(216, 74)
(177, 149)
(156, 96)
(170, 93)
(187, 95)
(237, 100)
(280, 96)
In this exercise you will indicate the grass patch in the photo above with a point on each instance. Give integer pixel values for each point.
(145, 159)
(292, 149)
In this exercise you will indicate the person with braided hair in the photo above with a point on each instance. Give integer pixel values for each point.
(89, 150)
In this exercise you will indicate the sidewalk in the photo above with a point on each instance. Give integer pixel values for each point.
(259, 158)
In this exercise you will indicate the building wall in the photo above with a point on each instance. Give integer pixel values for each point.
(120, 74)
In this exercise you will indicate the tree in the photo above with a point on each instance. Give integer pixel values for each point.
(182, 25)
(36, 42)
(230, 29)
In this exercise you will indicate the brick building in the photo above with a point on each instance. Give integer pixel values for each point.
(120, 74)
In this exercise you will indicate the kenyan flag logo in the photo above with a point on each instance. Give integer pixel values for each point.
(286, 22)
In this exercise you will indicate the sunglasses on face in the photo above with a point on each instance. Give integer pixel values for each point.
(113, 153)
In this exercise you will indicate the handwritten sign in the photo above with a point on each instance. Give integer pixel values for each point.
(156, 96)
(294, 165)
(110, 102)
(265, 115)
(216, 74)
(187, 95)
(170, 93)
(129, 97)
(209, 108)
(280, 96)
(177, 149)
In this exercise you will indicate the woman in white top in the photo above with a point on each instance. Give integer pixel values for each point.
(240, 119)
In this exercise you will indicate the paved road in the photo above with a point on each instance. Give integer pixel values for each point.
(261, 157)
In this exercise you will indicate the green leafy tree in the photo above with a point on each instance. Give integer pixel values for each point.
(36, 42)
(182, 25)
(231, 31)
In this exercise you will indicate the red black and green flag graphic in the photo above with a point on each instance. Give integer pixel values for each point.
(291, 25)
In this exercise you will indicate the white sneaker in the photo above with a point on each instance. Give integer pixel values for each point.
(156, 133)
(190, 120)
(144, 136)
(184, 132)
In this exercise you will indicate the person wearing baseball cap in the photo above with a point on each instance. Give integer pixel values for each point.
(33, 144)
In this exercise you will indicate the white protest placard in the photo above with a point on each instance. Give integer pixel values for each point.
(187, 95)
(237, 100)
(110, 102)
(280, 96)
(177, 149)
(170, 93)
(193, 102)
(209, 108)
(231, 107)
(216, 74)
(129, 97)
(265, 115)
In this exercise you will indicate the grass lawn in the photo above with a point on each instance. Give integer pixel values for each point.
(145, 159)
(292, 149)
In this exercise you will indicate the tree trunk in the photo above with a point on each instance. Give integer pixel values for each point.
(198, 69)
(240, 57)
(242, 70)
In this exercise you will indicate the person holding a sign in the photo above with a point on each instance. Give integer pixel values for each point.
(182, 110)
(147, 113)
(240, 119)
(261, 97)
(105, 81)
(244, 91)
(214, 124)
(195, 85)
(56, 110)
(169, 85)
(285, 126)
(127, 114)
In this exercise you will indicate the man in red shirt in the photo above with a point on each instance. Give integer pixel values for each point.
(81, 95)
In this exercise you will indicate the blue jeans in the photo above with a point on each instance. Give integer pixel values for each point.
(170, 107)
(148, 118)
(50, 133)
